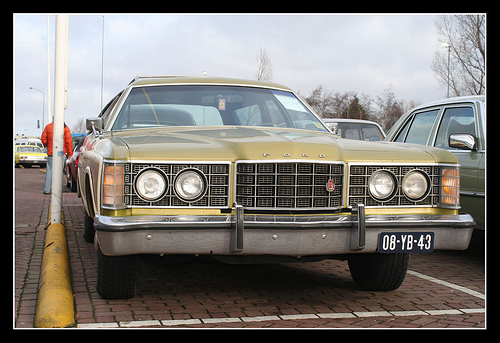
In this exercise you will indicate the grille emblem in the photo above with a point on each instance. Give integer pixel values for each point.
(330, 185)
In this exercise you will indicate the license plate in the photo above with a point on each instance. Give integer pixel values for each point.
(398, 242)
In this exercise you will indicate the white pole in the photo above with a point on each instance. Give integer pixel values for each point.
(59, 96)
(102, 61)
(49, 112)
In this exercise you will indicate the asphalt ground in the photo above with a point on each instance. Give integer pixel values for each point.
(444, 289)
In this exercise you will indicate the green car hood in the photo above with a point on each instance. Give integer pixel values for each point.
(252, 143)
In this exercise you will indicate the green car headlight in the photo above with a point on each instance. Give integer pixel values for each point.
(415, 185)
(151, 184)
(382, 185)
(190, 185)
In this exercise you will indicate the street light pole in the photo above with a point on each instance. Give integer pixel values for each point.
(448, 45)
(43, 106)
(102, 61)
(59, 105)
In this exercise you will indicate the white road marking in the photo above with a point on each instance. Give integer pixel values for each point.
(137, 323)
(372, 314)
(177, 322)
(448, 284)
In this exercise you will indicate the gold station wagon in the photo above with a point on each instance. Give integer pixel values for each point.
(245, 172)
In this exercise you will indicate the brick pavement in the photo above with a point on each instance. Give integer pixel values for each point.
(211, 294)
(206, 289)
(30, 221)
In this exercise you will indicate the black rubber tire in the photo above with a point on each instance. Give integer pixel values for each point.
(88, 227)
(72, 184)
(117, 276)
(378, 272)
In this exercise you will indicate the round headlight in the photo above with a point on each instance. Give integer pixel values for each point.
(190, 185)
(151, 184)
(382, 185)
(415, 185)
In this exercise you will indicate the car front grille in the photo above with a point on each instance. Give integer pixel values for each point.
(359, 175)
(286, 185)
(217, 195)
(289, 185)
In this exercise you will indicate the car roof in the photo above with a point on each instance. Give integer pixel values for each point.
(448, 101)
(161, 80)
(344, 120)
(441, 102)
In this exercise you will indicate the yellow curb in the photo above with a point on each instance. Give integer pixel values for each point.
(55, 307)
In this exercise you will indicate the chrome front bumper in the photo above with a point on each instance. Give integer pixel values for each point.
(282, 235)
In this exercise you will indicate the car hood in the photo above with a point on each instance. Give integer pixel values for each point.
(251, 143)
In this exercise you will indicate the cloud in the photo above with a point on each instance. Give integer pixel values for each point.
(362, 53)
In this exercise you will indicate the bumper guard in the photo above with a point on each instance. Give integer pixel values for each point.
(256, 234)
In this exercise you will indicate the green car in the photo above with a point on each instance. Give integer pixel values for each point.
(459, 126)
(246, 172)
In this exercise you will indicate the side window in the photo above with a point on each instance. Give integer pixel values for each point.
(351, 133)
(371, 133)
(455, 120)
(107, 109)
(402, 133)
(421, 127)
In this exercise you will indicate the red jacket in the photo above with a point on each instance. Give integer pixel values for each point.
(47, 137)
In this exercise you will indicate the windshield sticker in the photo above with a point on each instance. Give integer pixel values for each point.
(222, 104)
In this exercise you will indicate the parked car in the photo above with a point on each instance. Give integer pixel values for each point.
(364, 130)
(246, 172)
(28, 155)
(71, 167)
(77, 137)
(459, 126)
(29, 141)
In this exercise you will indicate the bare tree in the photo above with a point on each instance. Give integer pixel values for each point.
(385, 109)
(340, 105)
(79, 127)
(390, 109)
(466, 36)
(265, 67)
(410, 104)
(321, 101)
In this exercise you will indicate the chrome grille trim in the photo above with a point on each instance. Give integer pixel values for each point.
(217, 174)
(359, 173)
(289, 184)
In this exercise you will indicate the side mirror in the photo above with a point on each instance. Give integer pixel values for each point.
(462, 141)
(94, 123)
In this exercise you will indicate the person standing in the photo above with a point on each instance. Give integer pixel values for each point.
(47, 139)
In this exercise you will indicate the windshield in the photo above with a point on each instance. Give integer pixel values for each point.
(29, 149)
(213, 105)
(359, 131)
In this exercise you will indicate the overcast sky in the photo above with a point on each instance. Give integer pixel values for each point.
(361, 53)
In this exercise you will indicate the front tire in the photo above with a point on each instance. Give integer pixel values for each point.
(117, 276)
(72, 184)
(88, 227)
(379, 272)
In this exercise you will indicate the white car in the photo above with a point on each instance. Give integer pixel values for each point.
(363, 130)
